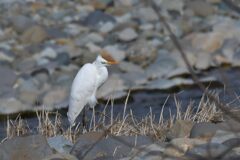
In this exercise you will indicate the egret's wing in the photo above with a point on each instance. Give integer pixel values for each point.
(83, 87)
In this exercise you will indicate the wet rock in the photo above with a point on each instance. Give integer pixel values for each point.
(115, 147)
(142, 53)
(179, 146)
(203, 130)
(115, 52)
(180, 129)
(147, 14)
(209, 150)
(34, 35)
(60, 144)
(201, 8)
(127, 35)
(8, 77)
(30, 147)
(96, 18)
(61, 156)
(113, 85)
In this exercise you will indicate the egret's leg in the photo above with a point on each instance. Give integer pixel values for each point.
(84, 120)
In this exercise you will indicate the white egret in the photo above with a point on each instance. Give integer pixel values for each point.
(84, 87)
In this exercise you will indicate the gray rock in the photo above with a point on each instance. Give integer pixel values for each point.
(173, 5)
(8, 77)
(142, 53)
(112, 87)
(127, 35)
(25, 65)
(130, 67)
(125, 3)
(203, 130)
(115, 52)
(209, 150)
(147, 14)
(60, 144)
(22, 148)
(201, 8)
(62, 58)
(96, 18)
(12, 105)
(203, 61)
(61, 156)
(49, 53)
(179, 146)
(107, 27)
(56, 97)
(34, 35)
(221, 136)
(232, 142)
(153, 152)
(21, 22)
(112, 147)
(180, 129)
(6, 55)
(178, 72)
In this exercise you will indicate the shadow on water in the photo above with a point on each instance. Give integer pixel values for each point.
(140, 102)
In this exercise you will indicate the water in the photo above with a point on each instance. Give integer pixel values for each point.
(140, 102)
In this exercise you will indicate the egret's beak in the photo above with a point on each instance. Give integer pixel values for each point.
(112, 62)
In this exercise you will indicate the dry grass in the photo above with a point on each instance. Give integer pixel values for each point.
(127, 124)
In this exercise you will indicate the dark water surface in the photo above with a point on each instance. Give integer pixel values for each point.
(140, 102)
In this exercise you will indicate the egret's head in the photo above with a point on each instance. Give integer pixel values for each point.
(105, 59)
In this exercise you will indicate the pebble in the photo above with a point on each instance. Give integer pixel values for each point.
(115, 52)
(127, 35)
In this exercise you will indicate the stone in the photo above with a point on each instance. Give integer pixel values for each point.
(221, 136)
(94, 37)
(56, 97)
(115, 52)
(25, 65)
(112, 86)
(21, 22)
(179, 146)
(173, 5)
(49, 53)
(8, 77)
(178, 72)
(153, 151)
(180, 129)
(12, 105)
(203, 61)
(127, 35)
(61, 156)
(6, 55)
(62, 58)
(125, 3)
(34, 35)
(125, 66)
(209, 151)
(23, 148)
(204, 130)
(93, 47)
(208, 42)
(107, 27)
(60, 144)
(115, 147)
(142, 53)
(201, 8)
(96, 18)
(146, 14)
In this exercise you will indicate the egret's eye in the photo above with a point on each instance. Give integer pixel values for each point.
(103, 62)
